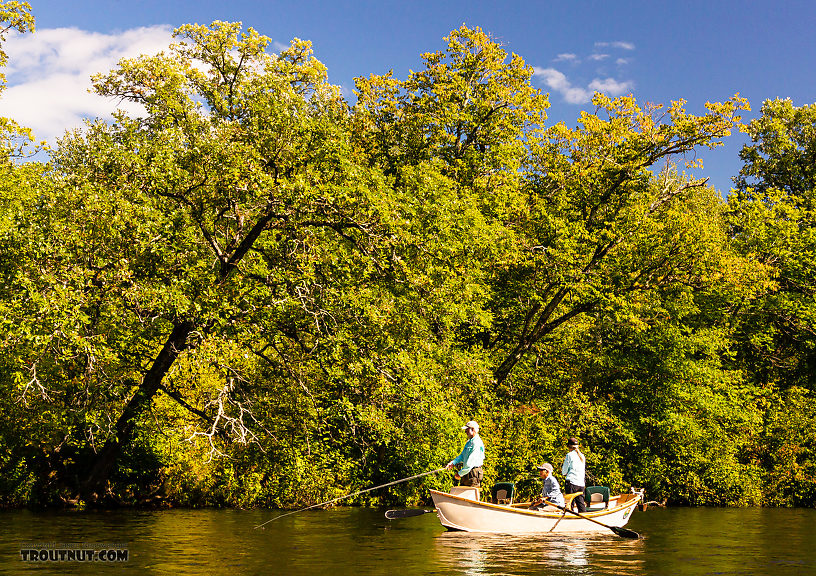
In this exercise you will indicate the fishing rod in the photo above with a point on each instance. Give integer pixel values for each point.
(354, 494)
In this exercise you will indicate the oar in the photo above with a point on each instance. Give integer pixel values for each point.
(394, 514)
(557, 522)
(350, 495)
(622, 532)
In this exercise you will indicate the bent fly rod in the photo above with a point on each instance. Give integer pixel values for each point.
(353, 494)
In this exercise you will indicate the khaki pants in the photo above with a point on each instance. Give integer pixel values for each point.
(472, 478)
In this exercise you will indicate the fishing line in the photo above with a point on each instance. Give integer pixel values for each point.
(350, 495)
(591, 477)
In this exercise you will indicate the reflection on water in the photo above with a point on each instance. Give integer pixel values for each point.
(361, 542)
(490, 554)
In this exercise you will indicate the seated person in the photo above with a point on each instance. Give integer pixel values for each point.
(551, 490)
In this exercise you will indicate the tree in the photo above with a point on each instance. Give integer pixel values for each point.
(18, 196)
(17, 16)
(322, 292)
(569, 235)
(564, 213)
(773, 221)
(591, 233)
(454, 138)
(195, 229)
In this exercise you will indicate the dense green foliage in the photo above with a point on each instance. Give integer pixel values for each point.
(257, 294)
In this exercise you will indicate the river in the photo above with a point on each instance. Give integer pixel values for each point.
(359, 542)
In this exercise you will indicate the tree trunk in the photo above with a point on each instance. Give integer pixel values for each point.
(542, 327)
(105, 460)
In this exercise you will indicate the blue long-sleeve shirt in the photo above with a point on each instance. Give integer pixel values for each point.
(552, 491)
(472, 455)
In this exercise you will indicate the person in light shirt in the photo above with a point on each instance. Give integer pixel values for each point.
(551, 492)
(574, 471)
(470, 458)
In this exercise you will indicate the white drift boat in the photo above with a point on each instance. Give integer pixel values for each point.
(461, 509)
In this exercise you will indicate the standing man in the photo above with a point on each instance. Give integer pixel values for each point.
(471, 457)
(574, 471)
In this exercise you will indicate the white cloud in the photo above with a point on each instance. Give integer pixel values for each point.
(558, 82)
(610, 86)
(566, 57)
(576, 92)
(49, 74)
(619, 44)
(279, 47)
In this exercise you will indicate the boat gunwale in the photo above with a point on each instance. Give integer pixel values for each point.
(508, 508)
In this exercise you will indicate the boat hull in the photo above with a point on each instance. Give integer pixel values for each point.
(462, 513)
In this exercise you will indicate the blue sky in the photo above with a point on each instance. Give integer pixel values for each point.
(695, 50)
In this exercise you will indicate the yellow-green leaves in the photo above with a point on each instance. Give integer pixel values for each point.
(17, 16)
(251, 258)
(472, 107)
(14, 139)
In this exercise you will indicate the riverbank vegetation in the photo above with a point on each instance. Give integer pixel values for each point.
(260, 293)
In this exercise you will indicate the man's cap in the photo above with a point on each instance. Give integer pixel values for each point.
(472, 424)
(546, 466)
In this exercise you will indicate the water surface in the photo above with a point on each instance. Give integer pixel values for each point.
(358, 542)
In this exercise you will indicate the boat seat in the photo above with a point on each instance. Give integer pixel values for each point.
(597, 498)
(469, 492)
(502, 493)
(568, 498)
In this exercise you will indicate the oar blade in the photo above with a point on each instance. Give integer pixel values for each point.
(394, 514)
(625, 532)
